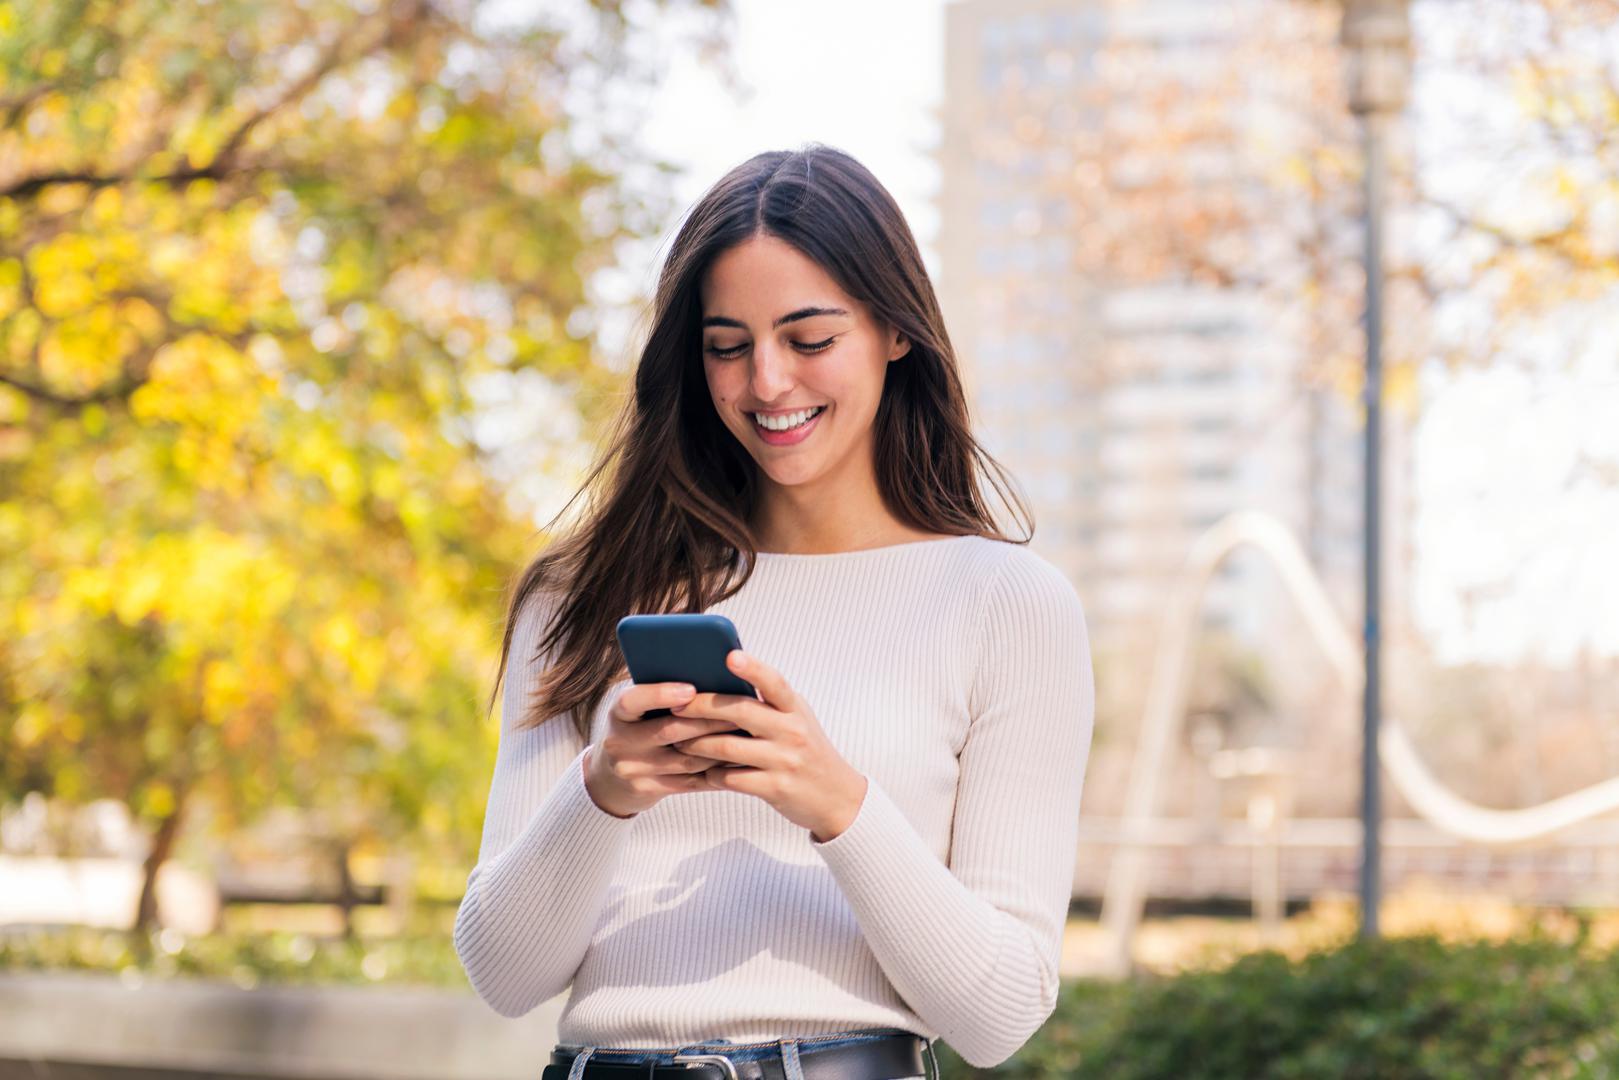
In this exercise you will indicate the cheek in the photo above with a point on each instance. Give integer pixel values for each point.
(859, 378)
(718, 392)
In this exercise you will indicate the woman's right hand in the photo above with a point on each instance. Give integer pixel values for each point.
(633, 766)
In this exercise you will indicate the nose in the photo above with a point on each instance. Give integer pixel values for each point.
(771, 375)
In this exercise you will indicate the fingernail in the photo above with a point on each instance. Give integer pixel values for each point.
(738, 658)
(686, 691)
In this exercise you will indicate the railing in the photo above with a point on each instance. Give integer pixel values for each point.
(1166, 705)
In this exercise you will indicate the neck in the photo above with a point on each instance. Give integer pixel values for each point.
(803, 524)
(840, 511)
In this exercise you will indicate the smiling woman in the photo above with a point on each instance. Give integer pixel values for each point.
(771, 377)
(888, 858)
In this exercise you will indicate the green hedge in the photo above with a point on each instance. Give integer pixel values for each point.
(1400, 1007)
(248, 959)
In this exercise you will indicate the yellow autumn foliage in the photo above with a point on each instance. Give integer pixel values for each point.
(239, 538)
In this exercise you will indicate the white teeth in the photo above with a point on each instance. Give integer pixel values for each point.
(786, 421)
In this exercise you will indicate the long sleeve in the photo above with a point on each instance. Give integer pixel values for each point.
(547, 855)
(973, 947)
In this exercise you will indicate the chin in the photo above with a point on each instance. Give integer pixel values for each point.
(787, 477)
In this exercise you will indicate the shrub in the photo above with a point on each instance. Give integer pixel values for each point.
(248, 959)
(1390, 1009)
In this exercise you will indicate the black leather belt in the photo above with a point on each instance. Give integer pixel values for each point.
(884, 1058)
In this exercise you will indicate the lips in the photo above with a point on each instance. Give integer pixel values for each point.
(790, 437)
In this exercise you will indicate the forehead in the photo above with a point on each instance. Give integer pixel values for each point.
(763, 277)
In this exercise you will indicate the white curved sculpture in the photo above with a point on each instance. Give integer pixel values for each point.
(1166, 704)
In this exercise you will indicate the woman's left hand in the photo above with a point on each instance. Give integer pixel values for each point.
(789, 762)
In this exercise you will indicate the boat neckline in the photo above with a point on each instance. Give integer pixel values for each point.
(855, 552)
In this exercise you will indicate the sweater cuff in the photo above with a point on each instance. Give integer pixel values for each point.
(568, 828)
(576, 800)
(580, 772)
(866, 849)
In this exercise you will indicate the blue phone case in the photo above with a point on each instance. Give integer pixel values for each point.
(682, 648)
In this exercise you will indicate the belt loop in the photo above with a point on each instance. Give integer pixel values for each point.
(927, 1054)
(790, 1067)
(577, 1068)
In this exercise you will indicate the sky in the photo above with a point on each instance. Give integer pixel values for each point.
(866, 78)
(1492, 450)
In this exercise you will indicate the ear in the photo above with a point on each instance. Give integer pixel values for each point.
(901, 346)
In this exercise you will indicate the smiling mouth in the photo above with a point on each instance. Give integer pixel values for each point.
(811, 415)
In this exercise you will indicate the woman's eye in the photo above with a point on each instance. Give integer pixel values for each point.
(801, 346)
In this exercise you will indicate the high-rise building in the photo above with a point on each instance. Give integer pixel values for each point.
(1138, 409)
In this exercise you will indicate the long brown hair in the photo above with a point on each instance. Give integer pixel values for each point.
(672, 495)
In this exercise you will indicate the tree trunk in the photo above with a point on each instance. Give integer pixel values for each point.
(346, 898)
(162, 847)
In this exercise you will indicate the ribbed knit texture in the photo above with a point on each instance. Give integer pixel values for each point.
(956, 676)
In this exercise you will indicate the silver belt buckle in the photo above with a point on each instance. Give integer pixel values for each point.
(691, 1060)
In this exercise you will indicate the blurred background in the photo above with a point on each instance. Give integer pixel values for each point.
(311, 314)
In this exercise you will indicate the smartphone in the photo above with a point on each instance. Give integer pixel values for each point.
(682, 648)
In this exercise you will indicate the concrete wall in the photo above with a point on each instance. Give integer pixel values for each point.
(83, 1025)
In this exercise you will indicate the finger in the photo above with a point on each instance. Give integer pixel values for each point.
(773, 689)
(669, 761)
(751, 715)
(676, 783)
(740, 778)
(672, 729)
(641, 698)
(662, 761)
(731, 748)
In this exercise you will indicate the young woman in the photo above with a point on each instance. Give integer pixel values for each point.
(889, 859)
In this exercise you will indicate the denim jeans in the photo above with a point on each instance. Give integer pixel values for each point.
(786, 1048)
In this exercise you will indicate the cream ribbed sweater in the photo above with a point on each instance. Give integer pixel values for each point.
(956, 676)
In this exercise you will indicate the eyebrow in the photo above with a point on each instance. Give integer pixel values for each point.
(791, 316)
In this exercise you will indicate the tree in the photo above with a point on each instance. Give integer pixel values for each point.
(1215, 148)
(1224, 154)
(256, 260)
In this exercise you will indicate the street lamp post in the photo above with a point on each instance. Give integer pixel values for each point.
(1376, 39)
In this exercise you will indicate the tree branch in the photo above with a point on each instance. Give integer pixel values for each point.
(1551, 243)
(30, 186)
(137, 370)
(137, 367)
(225, 163)
(333, 58)
(16, 104)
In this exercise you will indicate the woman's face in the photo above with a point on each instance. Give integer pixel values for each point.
(779, 337)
